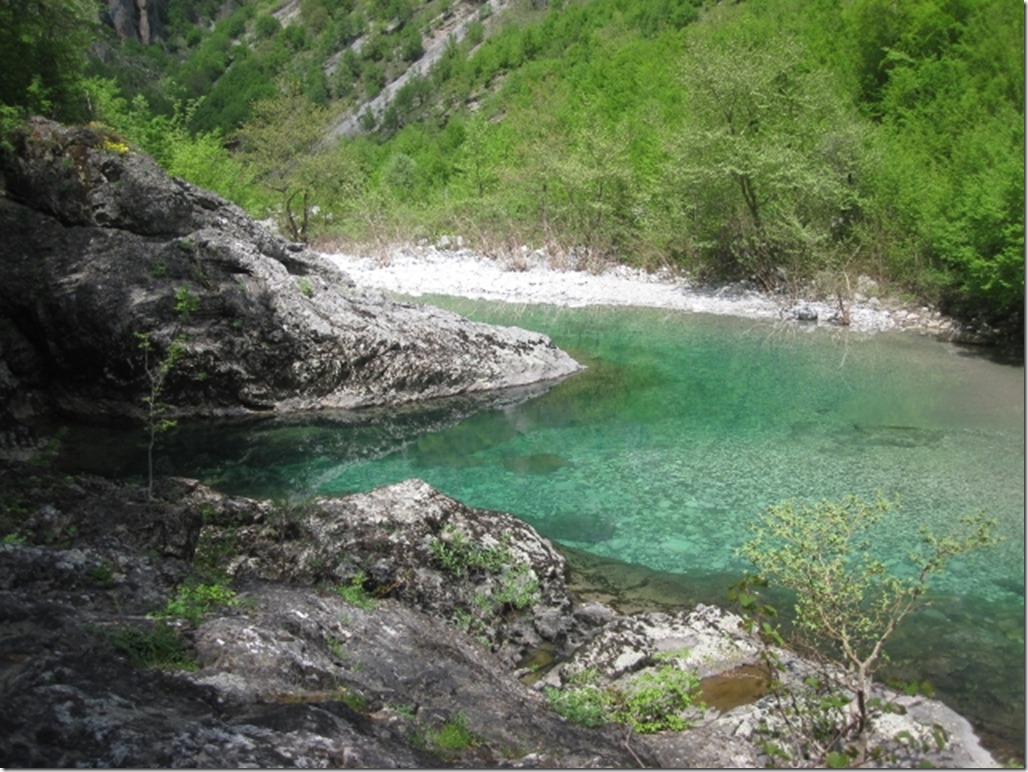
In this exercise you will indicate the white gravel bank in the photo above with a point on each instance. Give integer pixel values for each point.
(428, 270)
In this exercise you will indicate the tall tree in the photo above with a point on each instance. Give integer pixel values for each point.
(282, 147)
(43, 49)
(764, 169)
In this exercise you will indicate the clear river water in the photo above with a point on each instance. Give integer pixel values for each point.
(680, 431)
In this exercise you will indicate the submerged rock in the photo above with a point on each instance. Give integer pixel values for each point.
(101, 247)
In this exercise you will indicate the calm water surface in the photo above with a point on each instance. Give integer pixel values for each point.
(683, 428)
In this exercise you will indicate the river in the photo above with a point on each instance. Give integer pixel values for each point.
(681, 430)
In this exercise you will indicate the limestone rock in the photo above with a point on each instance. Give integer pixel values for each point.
(101, 247)
(486, 571)
(297, 674)
(293, 675)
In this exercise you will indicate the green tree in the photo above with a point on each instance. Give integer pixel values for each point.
(157, 370)
(764, 168)
(282, 147)
(950, 101)
(43, 50)
(846, 598)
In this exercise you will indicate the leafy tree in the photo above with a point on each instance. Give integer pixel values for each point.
(474, 162)
(764, 167)
(411, 46)
(43, 48)
(267, 26)
(951, 109)
(846, 598)
(282, 146)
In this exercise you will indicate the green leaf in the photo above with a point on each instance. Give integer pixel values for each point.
(836, 760)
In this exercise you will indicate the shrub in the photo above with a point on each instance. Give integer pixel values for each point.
(193, 602)
(453, 736)
(159, 646)
(654, 701)
(847, 602)
(355, 594)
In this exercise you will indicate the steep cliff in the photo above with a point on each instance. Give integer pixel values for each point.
(134, 19)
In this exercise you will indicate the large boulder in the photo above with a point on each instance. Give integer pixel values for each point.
(488, 572)
(101, 248)
(292, 674)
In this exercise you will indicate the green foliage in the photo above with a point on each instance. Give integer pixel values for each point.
(355, 594)
(192, 602)
(43, 48)
(157, 646)
(458, 555)
(267, 25)
(452, 737)
(654, 701)
(763, 168)
(199, 158)
(282, 149)
(774, 139)
(505, 584)
(157, 370)
(186, 303)
(845, 594)
(518, 588)
(102, 573)
(847, 602)
(584, 703)
(305, 286)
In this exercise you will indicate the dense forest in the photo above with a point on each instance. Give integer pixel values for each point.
(788, 142)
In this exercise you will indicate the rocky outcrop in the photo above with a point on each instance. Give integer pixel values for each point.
(292, 673)
(363, 631)
(101, 248)
(737, 712)
(138, 20)
(484, 571)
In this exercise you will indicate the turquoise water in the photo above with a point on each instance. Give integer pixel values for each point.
(682, 429)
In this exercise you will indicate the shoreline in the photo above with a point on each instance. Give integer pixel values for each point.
(532, 277)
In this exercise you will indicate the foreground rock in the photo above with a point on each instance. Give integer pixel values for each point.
(101, 247)
(378, 630)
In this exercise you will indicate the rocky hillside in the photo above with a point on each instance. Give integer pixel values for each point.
(122, 284)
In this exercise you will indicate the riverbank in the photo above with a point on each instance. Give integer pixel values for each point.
(536, 277)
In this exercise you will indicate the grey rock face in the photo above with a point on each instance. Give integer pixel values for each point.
(487, 572)
(296, 673)
(135, 19)
(101, 246)
(291, 675)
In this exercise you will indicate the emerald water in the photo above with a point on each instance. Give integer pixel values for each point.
(684, 427)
